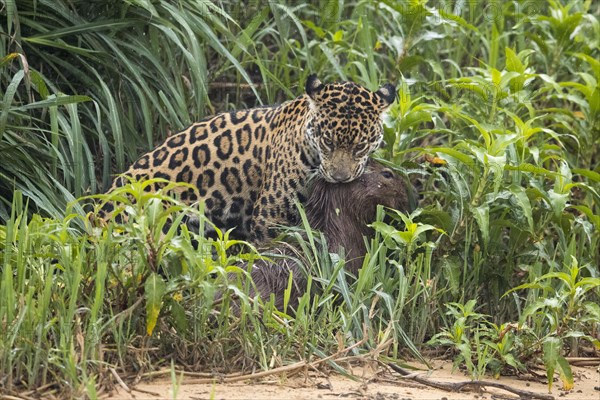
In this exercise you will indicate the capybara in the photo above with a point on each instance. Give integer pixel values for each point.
(342, 212)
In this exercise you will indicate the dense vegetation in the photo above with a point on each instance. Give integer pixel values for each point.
(497, 123)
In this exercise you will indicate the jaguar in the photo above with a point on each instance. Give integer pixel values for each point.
(250, 166)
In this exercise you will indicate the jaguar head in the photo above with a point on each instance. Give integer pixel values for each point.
(345, 125)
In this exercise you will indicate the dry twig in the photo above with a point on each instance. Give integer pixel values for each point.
(584, 361)
(119, 380)
(459, 386)
(287, 369)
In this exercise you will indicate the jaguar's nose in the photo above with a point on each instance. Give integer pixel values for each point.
(341, 175)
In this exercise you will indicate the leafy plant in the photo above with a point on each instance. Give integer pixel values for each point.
(560, 313)
(471, 335)
(496, 126)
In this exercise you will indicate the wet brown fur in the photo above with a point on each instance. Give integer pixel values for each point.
(342, 212)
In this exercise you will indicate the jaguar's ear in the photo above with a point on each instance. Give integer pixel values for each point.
(313, 85)
(388, 93)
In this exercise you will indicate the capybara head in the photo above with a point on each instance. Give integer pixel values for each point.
(342, 211)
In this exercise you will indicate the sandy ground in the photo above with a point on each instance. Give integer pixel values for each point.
(371, 383)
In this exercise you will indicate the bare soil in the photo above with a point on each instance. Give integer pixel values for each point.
(372, 382)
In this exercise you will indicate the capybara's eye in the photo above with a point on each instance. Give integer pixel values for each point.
(387, 174)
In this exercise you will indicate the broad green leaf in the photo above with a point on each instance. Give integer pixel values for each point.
(551, 348)
(587, 283)
(338, 36)
(146, 5)
(154, 289)
(558, 202)
(513, 63)
(11, 14)
(496, 79)
(330, 13)
(59, 45)
(452, 273)
(482, 216)
(522, 200)
(594, 63)
(532, 308)
(384, 228)
(179, 318)
(8, 99)
(82, 28)
(115, 122)
(563, 276)
(484, 91)
(458, 19)
(513, 362)
(413, 118)
(592, 175)
(404, 98)
(593, 309)
(526, 167)
(594, 219)
(480, 127)
(438, 218)
(566, 375)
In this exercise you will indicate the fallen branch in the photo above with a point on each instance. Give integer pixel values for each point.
(459, 386)
(9, 397)
(145, 392)
(119, 380)
(583, 361)
(233, 85)
(257, 375)
(287, 368)
(191, 374)
(37, 391)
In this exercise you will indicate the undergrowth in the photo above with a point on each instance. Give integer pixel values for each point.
(497, 125)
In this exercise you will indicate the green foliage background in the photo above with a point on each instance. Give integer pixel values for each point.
(498, 123)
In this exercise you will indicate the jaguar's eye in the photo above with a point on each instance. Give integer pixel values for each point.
(327, 141)
(360, 148)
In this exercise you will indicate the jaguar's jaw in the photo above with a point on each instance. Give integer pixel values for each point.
(340, 174)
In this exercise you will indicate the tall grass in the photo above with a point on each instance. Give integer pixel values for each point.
(497, 124)
(86, 87)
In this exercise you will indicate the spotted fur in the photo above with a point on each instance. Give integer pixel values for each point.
(249, 166)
